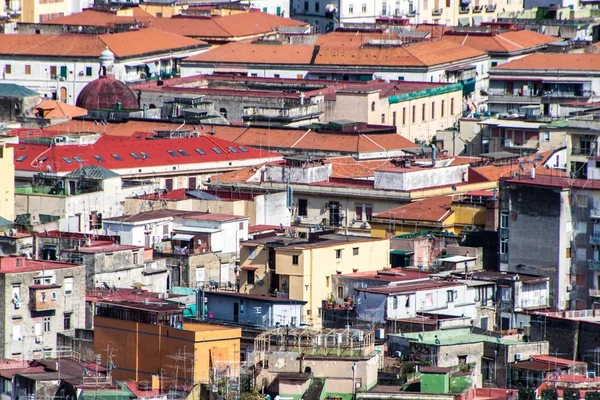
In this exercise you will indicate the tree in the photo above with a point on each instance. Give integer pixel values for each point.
(549, 394)
(526, 393)
(571, 394)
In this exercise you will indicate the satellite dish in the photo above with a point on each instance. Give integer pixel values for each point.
(260, 282)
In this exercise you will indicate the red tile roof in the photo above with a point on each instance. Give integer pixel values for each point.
(248, 53)
(552, 61)
(34, 265)
(156, 149)
(125, 44)
(90, 17)
(52, 109)
(410, 287)
(432, 209)
(393, 275)
(505, 42)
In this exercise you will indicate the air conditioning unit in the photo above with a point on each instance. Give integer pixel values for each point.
(508, 143)
(517, 356)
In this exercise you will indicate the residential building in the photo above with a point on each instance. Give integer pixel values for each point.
(15, 100)
(565, 243)
(7, 183)
(447, 214)
(76, 200)
(200, 248)
(261, 207)
(308, 353)
(41, 298)
(214, 28)
(345, 285)
(107, 261)
(488, 356)
(302, 270)
(534, 372)
(378, 305)
(57, 70)
(344, 56)
(547, 81)
(134, 159)
(146, 338)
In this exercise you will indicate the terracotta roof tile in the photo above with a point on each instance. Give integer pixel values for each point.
(503, 42)
(348, 167)
(91, 17)
(125, 44)
(241, 53)
(433, 209)
(57, 109)
(550, 61)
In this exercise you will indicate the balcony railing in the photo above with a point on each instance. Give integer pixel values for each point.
(580, 151)
(594, 213)
(594, 292)
(477, 9)
(594, 265)
(490, 9)
(437, 12)
(463, 10)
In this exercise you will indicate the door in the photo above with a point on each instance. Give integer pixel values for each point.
(225, 273)
(236, 312)
(63, 94)
(484, 323)
(63, 72)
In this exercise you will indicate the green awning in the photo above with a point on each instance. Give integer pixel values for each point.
(401, 252)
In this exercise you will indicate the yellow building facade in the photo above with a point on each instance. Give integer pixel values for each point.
(143, 352)
(7, 183)
(36, 11)
(301, 270)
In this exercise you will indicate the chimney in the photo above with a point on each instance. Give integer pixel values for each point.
(532, 173)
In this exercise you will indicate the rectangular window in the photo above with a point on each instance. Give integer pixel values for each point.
(28, 70)
(250, 277)
(340, 292)
(359, 212)
(306, 6)
(504, 219)
(47, 324)
(364, 8)
(53, 73)
(338, 254)
(568, 252)
(192, 183)
(252, 253)
(350, 9)
(394, 118)
(395, 302)
(450, 296)
(442, 108)
(316, 6)
(383, 118)
(407, 302)
(384, 9)
(414, 114)
(169, 184)
(503, 245)
(432, 110)
(172, 153)
(295, 259)
(88, 71)
(327, 281)
(451, 106)
(241, 226)
(68, 286)
(546, 136)
(355, 251)
(369, 212)
(302, 207)
(423, 112)
(580, 279)
(67, 321)
(16, 332)
(7, 69)
(136, 258)
(403, 116)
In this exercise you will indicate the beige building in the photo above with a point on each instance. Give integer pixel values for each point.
(463, 12)
(302, 269)
(35, 11)
(7, 183)
(416, 109)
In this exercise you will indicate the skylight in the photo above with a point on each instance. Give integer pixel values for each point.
(243, 149)
(232, 149)
(99, 158)
(199, 151)
(68, 160)
(21, 158)
(117, 157)
(134, 155)
(217, 150)
(144, 154)
(183, 153)
(172, 153)
(79, 160)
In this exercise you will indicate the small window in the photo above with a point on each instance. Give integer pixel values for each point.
(7, 69)
(373, 106)
(451, 296)
(251, 277)
(172, 153)
(68, 286)
(217, 150)
(135, 258)
(47, 324)
(546, 136)
(407, 302)
(78, 159)
(295, 259)
(100, 159)
(327, 281)
(423, 112)
(383, 118)
(144, 154)
(433, 110)
(68, 160)
(580, 279)
(338, 254)
(340, 292)
(28, 70)
(395, 302)
(302, 207)
(568, 252)
(88, 71)
(19, 262)
(494, 63)
(199, 151)
(67, 321)
(21, 158)
(134, 155)
(232, 149)
(117, 157)
(414, 114)
(53, 296)
(462, 360)
(355, 251)
(183, 153)
(241, 226)
(243, 149)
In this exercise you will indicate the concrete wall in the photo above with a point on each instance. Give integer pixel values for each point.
(254, 311)
(306, 175)
(7, 183)
(402, 179)
(202, 268)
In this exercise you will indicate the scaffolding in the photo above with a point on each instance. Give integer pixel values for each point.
(310, 342)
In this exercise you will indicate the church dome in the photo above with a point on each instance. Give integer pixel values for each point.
(107, 92)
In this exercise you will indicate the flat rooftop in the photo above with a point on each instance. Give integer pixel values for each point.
(389, 275)
(8, 265)
(324, 240)
(452, 337)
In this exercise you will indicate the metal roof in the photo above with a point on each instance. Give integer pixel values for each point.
(93, 172)
(14, 90)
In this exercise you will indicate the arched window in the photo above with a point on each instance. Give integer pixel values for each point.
(223, 112)
(373, 106)
(63, 94)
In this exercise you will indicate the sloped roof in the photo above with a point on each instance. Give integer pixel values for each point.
(14, 90)
(93, 172)
(124, 44)
(551, 61)
(91, 17)
(239, 52)
(505, 42)
(57, 109)
(432, 209)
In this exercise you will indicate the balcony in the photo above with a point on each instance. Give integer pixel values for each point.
(594, 292)
(464, 10)
(477, 9)
(502, 96)
(594, 265)
(594, 213)
(490, 9)
(437, 12)
(581, 151)
(290, 114)
(44, 297)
